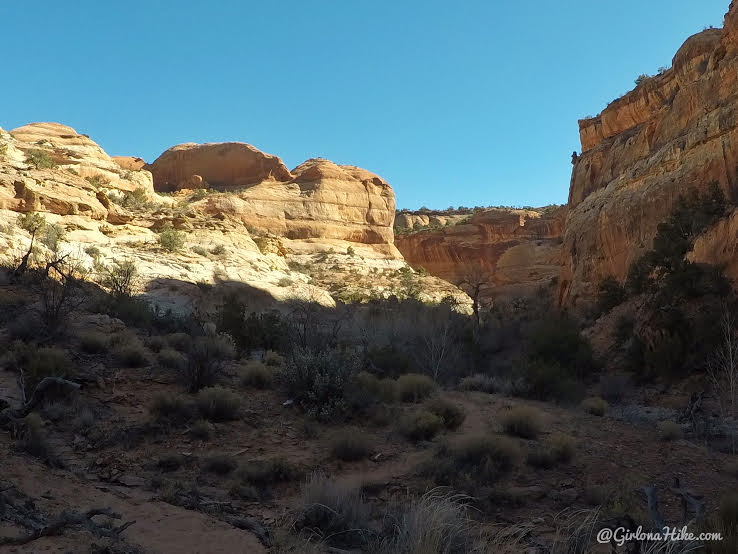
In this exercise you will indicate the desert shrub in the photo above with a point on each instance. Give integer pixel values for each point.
(93, 252)
(595, 405)
(33, 440)
(206, 360)
(171, 359)
(201, 430)
(452, 416)
(136, 199)
(478, 382)
(220, 464)
(257, 375)
(218, 250)
(218, 404)
(271, 358)
(669, 430)
(43, 362)
(170, 239)
(51, 235)
(610, 294)
(264, 473)
(179, 341)
(120, 278)
(31, 222)
(549, 381)
(556, 341)
(725, 521)
(97, 181)
(420, 425)
(415, 387)
(523, 422)
(435, 523)
(166, 407)
(613, 387)
(284, 282)
(254, 331)
(391, 360)
(26, 326)
(200, 251)
(156, 343)
(318, 380)
(334, 511)
(474, 460)
(350, 446)
(366, 390)
(558, 449)
(93, 342)
(40, 159)
(170, 462)
(133, 354)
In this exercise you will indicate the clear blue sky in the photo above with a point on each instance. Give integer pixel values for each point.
(473, 102)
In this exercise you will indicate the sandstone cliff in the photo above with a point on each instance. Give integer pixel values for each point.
(324, 234)
(675, 131)
(515, 251)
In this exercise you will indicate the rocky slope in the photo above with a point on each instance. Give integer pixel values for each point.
(322, 234)
(674, 131)
(514, 251)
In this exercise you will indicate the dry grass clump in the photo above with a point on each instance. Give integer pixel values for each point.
(218, 404)
(523, 422)
(334, 512)
(273, 359)
(257, 375)
(452, 416)
(369, 388)
(595, 405)
(33, 440)
(479, 382)
(170, 408)
(93, 342)
(179, 341)
(435, 523)
(558, 449)
(171, 359)
(201, 430)
(350, 445)
(170, 462)
(129, 351)
(262, 473)
(414, 387)
(421, 425)
(476, 459)
(725, 521)
(669, 430)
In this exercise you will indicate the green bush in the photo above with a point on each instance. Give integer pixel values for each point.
(170, 408)
(421, 425)
(595, 406)
(40, 159)
(523, 422)
(452, 416)
(44, 362)
(218, 404)
(31, 222)
(51, 235)
(556, 341)
(257, 375)
(414, 387)
(171, 239)
(350, 445)
(97, 181)
(200, 251)
(549, 381)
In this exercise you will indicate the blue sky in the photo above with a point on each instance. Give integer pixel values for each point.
(473, 102)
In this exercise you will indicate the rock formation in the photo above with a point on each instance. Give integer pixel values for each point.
(674, 131)
(221, 164)
(515, 251)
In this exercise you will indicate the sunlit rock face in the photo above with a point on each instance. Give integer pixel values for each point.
(675, 131)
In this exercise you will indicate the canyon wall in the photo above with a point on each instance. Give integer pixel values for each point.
(513, 251)
(675, 131)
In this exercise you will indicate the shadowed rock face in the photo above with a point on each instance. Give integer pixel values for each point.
(675, 131)
(516, 251)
